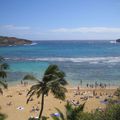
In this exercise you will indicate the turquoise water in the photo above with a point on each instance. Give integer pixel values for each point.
(87, 60)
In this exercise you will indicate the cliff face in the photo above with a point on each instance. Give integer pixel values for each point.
(6, 41)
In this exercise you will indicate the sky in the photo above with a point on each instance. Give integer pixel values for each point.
(60, 19)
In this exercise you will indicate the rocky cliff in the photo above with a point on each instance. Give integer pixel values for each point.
(6, 41)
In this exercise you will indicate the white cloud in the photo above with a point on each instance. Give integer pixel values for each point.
(87, 30)
(14, 27)
(80, 33)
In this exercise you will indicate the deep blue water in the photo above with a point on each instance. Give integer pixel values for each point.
(87, 60)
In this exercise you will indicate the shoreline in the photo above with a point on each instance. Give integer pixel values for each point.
(69, 86)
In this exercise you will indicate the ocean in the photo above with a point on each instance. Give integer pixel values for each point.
(89, 61)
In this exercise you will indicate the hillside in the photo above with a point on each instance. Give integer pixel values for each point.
(6, 41)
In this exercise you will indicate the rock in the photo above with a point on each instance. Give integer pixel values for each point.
(9, 41)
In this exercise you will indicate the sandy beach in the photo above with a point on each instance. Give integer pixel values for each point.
(13, 101)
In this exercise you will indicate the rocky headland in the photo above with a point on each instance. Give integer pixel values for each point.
(7, 41)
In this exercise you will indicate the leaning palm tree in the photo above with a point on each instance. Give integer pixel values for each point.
(72, 113)
(53, 81)
(3, 73)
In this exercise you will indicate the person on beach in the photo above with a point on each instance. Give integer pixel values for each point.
(78, 88)
(21, 82)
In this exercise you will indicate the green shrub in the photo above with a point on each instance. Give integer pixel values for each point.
(2, 116)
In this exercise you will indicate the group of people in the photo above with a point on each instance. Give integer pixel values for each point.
(34, 109)
(97, 85)
(24, 83)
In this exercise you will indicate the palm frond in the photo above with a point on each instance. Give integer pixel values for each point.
(55, 118)
(39, 92)
(4, 66)
(80, 108)
(30, 77)
(31, 94)
(48, 78)
(53, 82)
(3, 74)
(3, 84)
(51, 69)
(68, 107)
(59, 73)
(34, 88)
(1, 91)
(53, 72)
(37, 86)
(56, 79)
(73, 112)
(63, 81)
(70, 112)
(58, 91)
(56, 82)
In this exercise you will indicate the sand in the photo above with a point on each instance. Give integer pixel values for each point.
(13, 101)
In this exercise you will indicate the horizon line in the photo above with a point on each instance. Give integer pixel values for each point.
(74, 39)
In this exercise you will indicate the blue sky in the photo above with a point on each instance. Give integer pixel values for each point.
(60, 19)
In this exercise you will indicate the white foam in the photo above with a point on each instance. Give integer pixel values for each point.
(92, 60)
(33, 44)
(113, 41)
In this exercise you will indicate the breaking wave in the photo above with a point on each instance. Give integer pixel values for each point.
(113, 41)
(91, 60)
(34, 44)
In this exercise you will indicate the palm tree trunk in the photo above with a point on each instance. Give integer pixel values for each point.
(42, 104)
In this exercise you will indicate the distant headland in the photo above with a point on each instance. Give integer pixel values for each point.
(118, 40)
(7, 41)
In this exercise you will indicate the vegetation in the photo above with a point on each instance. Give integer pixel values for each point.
(72, 113)
(111, 112)
(117, 93)
(53, 81)
(42, 118)
(3, 73)
(2, 116)
(6, 41)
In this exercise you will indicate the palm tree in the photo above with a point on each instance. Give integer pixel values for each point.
(53, 81)
(3, 74)
(72, 113)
